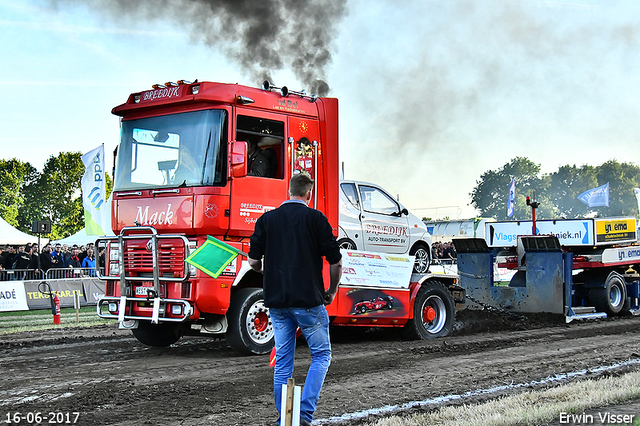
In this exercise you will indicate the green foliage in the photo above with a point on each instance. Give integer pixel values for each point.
(491, 193)
(14, 176)
(557, 192)
(54, 195)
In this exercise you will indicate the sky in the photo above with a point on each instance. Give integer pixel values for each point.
(432, 93)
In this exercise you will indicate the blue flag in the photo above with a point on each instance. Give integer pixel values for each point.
(512, 198)
(596, 197)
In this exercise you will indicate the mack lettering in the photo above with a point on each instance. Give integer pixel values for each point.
(156, 218)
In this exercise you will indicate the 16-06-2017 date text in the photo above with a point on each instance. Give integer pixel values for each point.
(40, 418)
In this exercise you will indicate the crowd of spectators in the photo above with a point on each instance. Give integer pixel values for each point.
(443, 251)
(27, 262)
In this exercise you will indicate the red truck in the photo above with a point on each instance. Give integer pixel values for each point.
(183, 171)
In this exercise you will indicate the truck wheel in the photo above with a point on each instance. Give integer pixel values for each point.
(347, 244)
(250, 330)
(423, 258)
(610, 298)
(433, 313)
(157, 335)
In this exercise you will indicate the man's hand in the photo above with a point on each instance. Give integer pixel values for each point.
(255, 264)
(328, 297)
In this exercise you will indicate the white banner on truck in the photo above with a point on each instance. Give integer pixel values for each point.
(570, 232)
(376, 270)
(13, 296)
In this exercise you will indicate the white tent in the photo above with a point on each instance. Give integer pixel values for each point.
(81, 238)
(11, 235)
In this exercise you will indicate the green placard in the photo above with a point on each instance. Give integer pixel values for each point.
(212, 256)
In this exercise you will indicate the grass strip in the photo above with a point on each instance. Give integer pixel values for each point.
(533, 407)
(22, 321)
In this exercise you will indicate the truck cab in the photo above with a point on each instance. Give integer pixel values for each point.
(372, 220)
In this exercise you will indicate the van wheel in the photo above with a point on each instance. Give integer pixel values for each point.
(347, 244)
(423, 258)
(250, 330)
(157, 335)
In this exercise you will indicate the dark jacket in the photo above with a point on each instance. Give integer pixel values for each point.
(293, 240)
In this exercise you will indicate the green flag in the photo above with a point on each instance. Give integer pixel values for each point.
(212, 256)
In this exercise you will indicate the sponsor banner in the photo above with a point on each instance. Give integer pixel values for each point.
(379, 270)
(94, 191)
(621, 254)
(63, 288)
(570, 232)
(12, 296)
(93, 290)
(616, 230)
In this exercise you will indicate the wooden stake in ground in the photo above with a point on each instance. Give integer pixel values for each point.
(76, 304)
(290, 409)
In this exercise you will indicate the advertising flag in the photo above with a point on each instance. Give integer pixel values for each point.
(512, 198)
(596, 197)
(96, 210)
(213, 256)
(637, 191)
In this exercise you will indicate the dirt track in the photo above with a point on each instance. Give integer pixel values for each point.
(111, 379)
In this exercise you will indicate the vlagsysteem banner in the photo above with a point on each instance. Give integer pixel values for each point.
(93, 192)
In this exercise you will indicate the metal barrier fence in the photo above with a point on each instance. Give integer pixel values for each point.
(20, 274)
(51, 274)
(445, 261)
(61, 273)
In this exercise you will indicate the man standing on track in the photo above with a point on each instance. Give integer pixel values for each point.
(293, 240)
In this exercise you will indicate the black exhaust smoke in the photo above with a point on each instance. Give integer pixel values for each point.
(262, 36)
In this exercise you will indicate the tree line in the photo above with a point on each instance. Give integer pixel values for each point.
(54, 195)
(556, 192)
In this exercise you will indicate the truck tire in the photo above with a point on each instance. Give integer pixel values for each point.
(250, 330)
(347, 244)
(157, 335)
(612, 297)
(423, 258)
(433, 312)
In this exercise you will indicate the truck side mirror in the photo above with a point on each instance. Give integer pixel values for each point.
(405, 211)
(238, 158)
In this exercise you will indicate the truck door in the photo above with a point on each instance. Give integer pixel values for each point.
(265, 186)
(384, 227)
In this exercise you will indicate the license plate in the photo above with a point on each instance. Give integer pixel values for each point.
(142, 291)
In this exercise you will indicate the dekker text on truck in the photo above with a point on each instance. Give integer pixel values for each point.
(182, 173)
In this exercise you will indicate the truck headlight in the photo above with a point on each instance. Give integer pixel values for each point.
(192, 248)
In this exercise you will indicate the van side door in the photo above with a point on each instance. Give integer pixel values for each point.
(385, 229)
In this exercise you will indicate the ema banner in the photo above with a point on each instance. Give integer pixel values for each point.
(596, 197)
(93, 192)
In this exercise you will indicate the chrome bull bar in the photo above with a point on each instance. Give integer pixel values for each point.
(159, 308)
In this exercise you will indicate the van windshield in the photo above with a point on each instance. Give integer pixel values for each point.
(176, 150)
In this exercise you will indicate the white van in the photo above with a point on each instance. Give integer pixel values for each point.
(372, 220)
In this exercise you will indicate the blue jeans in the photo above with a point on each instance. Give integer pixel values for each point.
(314, 323)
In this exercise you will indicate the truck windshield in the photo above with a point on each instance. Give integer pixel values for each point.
(174, 150)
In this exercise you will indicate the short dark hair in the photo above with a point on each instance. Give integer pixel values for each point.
(300, 184)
